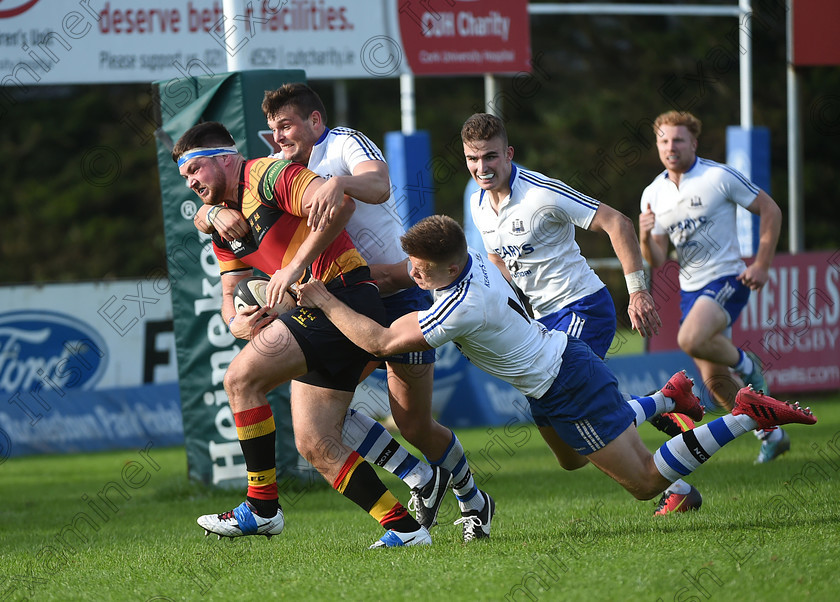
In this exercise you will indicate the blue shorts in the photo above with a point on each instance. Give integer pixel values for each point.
(591, 319)
(727, 292)
(405, 302)
(584, 405)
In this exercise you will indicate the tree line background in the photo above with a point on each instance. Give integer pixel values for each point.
(81, 199)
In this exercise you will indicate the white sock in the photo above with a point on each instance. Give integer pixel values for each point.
(745, 363)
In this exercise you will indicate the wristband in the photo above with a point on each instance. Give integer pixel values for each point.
(232, 318)
(636, 281)
(211, 215)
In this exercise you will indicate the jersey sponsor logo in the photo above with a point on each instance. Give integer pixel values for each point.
(689, 224)
(46, 351)
(270, 177)
(514, 251)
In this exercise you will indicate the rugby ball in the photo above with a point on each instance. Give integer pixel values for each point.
(251, 291)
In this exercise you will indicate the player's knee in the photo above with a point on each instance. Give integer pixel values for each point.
(234, 381)
(688, 343)
(310, 448)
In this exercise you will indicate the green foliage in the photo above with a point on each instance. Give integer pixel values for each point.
(81, 187)
(81, 200)
(764, 532)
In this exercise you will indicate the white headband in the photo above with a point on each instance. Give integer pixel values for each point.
(206, 152)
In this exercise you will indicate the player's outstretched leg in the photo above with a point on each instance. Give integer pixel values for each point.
(687, 407)
(677, 396)
(671, 410)
(683, 454)
(774, 441)
(768, 412)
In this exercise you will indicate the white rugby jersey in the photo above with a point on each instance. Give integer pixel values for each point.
(481, 314)
(374, 229)
(699, 218)
(534, 233)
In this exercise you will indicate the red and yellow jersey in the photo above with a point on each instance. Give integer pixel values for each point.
(271, 197)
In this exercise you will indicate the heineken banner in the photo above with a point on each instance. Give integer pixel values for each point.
(203, 343)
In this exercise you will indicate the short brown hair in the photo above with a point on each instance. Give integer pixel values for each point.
(206, 134)
(483, 126)
(300, 97)
(684, 118)
(437, 238)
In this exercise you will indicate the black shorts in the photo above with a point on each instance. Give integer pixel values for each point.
(332, 361)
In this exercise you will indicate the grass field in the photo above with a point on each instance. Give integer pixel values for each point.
(121, 526)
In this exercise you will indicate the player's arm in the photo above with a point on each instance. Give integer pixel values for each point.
(654, 246)
(369, 184)
(622, 235)
(229, 223)
(769, 229)
(499, 263)
(402, 336)
(314, 244)
(619, 227)
(245, 324)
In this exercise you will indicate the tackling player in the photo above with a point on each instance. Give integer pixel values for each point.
(476, 308)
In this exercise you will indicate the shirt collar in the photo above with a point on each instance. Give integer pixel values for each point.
(514, 171)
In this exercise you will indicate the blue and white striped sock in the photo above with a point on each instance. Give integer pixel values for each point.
(684, 453)
(455, 461)
(647, 407)
(377, 446)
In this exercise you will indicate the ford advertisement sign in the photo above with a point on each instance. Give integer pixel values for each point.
(45, 350)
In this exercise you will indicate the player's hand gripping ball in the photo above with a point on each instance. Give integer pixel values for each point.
(251, 291)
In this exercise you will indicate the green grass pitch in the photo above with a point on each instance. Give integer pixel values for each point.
(121, 526)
